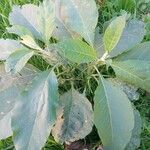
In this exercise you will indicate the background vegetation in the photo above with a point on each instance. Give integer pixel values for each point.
(107, 10)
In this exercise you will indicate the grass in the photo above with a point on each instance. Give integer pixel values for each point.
(107, 11)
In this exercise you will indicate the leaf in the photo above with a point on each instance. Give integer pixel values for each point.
(139, 52)
(98, 43)
(128, 89)
(136, 133)
(17, 60)
(79, 19)
(19, 30)
(131, 72)
(38, 20)
(77, 51)
(35, 112)
(5, 125)
(113, 114)
(133, 34)
(75, 120)
(10, 89)
(26, 16)
(46, 19)
(113, 33)
(30, 42)
(7, 47)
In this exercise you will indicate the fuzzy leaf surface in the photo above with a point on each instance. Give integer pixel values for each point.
(131, 72)
(136, 133)
(77, 51)
(10, 90)
(79, 19)
(113, 116)
(7, 47)
(132, 35)
(139, 52)
(35, 112)
(17, 60)
(75, 119)
(113, 33)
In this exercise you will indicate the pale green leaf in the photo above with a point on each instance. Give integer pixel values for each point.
(46, 19)
(26, 16)
(79, 19)
(136, 72)
(132, 35)
(30, 42)
(98, 43)
(35, 112)
(17, 60)
(113, 116)
(113, 33)
(7, 47)
(77, 51)
(19, 30)
(39, 20)
(139, 52)
(10, 90)
(136, 133)
(75, 120)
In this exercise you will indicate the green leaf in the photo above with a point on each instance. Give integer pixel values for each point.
(75, 119)
(46, 19)
(139, 52)
(136, 72)
(10, 90)
(17, 60)
(113, 116)
(38, 20)
(35, 112)
(26, 16)
(136, 133)
(133, 34)
(130, 90)
(77, 51)
(7, 47)
(79, 19)
(113, 33)
(98, 43)
(19, 30)
(30, 42)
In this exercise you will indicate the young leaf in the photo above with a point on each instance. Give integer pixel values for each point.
(46, 20)
(10, 90)
(139, 52)
(113, 114)
(113, 33)
(30, 42)
(76, 119)
(7, 47)
(98, 43)
(77, 51)
(80, 19)
(17, 60)
(136, 133)
(131, 72)
(35, 112)
(133, 34)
